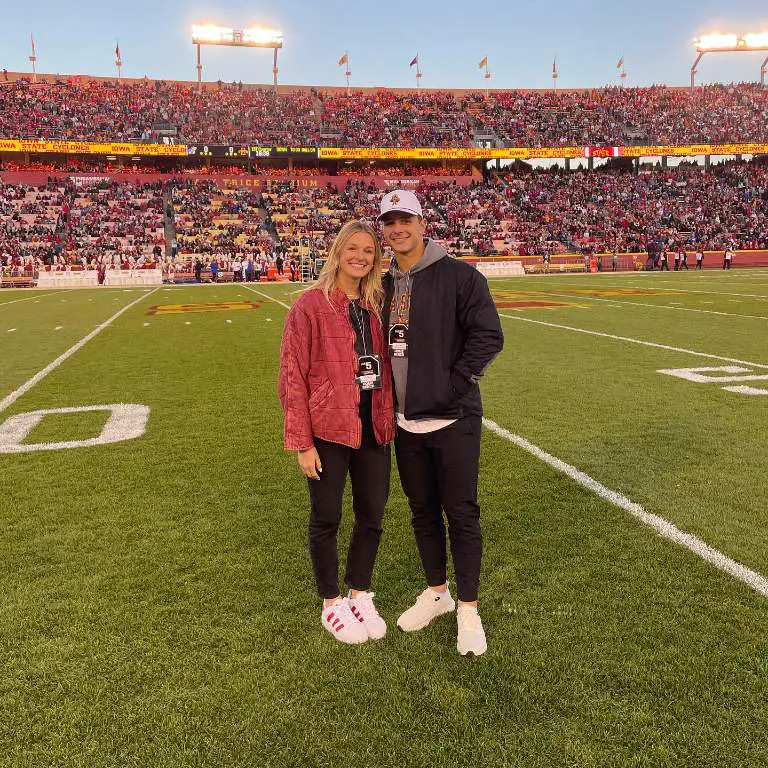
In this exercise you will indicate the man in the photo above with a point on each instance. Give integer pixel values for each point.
(444, 332)
(699, 259)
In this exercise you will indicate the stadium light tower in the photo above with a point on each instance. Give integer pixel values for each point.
(731, 43)
(253, 37)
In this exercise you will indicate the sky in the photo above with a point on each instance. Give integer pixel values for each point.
(520, 37)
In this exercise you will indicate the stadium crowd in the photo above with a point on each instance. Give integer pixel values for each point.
(82, 109)
(115, 224)
(521, 212)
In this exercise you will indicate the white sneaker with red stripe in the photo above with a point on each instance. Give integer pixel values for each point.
(339, 620)
(363, 608)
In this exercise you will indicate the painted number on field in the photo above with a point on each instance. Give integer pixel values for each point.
(725, 374)
(125, 422)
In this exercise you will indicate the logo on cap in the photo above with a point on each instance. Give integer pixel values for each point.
(395, 199)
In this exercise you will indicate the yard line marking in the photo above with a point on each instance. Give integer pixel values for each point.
(40, 375)
(663, 527)
(760, 296)
(653, 344)
(267, 296)
(672, 305)
(32, 298)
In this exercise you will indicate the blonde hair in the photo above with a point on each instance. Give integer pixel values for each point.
(371, 289)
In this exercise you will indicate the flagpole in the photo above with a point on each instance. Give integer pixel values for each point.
(348, 73)
(33, 59)
(555, 75)
(622, 71)
(418, 72)
(487, 78)
(118, 62)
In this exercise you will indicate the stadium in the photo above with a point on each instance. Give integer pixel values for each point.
(159, 604)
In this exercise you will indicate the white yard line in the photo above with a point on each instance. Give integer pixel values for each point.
(620, 300)
(653, 344)
(40, 375)
(36, 296)
(267, 296)
(664, 528)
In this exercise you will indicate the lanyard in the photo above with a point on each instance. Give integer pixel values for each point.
(359, 319)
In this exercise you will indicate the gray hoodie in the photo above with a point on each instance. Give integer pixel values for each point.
(401, 309)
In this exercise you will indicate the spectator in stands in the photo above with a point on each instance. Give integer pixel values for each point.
(340, 423)
(440, 346)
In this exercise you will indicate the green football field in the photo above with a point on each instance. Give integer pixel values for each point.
(158, 607)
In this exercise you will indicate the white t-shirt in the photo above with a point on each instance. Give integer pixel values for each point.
(422, 426)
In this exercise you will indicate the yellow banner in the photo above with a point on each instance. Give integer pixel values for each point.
(680, 150)
(93, 148)
(441, 153)
(388, 153)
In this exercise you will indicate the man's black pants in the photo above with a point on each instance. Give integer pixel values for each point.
(369, 469)
(439, 471)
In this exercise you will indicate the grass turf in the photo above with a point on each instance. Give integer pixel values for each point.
(158, 603)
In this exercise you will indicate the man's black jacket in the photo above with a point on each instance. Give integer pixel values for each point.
(454, 334)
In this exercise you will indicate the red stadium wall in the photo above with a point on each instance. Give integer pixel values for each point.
(37, 178)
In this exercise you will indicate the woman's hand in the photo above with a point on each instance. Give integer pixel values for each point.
(309, 461)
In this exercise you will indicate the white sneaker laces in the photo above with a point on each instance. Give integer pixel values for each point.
(469, 621)
(364, 603)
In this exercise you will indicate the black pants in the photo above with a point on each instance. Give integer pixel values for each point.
(369, 469)
(439, 471)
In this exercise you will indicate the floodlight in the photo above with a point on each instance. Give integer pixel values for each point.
(252, 37)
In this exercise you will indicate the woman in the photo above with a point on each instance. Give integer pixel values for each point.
(336, 391)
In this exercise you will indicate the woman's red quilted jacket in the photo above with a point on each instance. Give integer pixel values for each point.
(317, 386)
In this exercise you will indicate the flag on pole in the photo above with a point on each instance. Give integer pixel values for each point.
(32, 37)
(620, 63)
(344, 60)
(415, 60)
(483, 62)
(117, 51)
(554, 67)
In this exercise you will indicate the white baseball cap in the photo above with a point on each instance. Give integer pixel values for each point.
(402, 200)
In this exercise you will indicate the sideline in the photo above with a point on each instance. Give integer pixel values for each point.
(37, 296)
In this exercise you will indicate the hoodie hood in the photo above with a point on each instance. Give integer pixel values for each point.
(433, 252)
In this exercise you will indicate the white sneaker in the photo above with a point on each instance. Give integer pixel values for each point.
(363, 608)
(342, 624)
(471, 639)
(429, 605)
